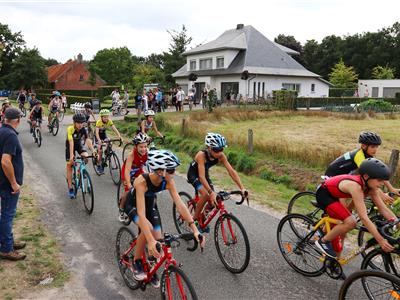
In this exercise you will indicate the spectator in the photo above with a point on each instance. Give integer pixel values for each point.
(126, 99)
(193, 92)
(180, 97)
(150, 99)
(204, 95)
(138, 104)
(173, 99)
(145, 101)
(115, 96)
(11, 177)
(64, 101)
(159, 100)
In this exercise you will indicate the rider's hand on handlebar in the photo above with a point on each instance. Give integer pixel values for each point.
(152, 249)
(387, 199)
(385, 245)
(244, 192)
(203, 239)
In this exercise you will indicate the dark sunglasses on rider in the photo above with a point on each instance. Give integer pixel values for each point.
(217, 149)
(170, 171)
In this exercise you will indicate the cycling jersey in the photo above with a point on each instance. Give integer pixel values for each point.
(37, 113)
(147, 126)
(347, 163)
(137, 166)
(152, 213)
(77, 136)
(102, 128)
(193, 172)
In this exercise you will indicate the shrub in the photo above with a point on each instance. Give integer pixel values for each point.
(376, 105)
(245, 163)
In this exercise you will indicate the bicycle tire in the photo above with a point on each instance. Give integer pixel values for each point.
(389, 265)
(300, 244)
(181, 280)
(87, 190)
(363, 274)
(55, 125)
(23, 110)
(121, 245)
(301, 204)
(38, 137)
(231, 218)
(61, 115)
(94, 163)
(116, 169)
(127, 148)
(180, 224)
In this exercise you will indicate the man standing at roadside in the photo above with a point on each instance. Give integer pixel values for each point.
(11, 174)
(180, 97)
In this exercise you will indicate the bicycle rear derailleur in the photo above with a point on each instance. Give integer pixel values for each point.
(333, 268)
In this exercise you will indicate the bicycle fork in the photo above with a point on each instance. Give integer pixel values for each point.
(231, 231)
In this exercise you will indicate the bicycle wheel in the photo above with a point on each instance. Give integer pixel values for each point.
(301, 203)
(125, 237)
(38, 136)
(180, 224)
(115, 168)
(94, 163)
(232, 243)
(377, 259)
(87, 192)
(297, 246)
(61, 115)
(55, 125)
(381, 285)
(127, 149)
(176, 285)
(23, 110)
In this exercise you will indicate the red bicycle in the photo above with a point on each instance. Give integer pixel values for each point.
(174, 282)
(230, 237)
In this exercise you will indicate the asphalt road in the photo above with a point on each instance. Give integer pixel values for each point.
(89, 241)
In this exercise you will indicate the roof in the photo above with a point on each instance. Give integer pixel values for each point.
(55, 71)
(257, 55)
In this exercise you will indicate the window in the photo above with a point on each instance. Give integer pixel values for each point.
(312, 87)
(254, 90)
(192, 65)
(220, 62)
(206, 64)
(291, 86)
(81, 77)
(258, 90)
(263, 90)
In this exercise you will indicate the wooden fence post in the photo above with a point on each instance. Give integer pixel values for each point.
(250, 141)
(184, 127)
(393, 162)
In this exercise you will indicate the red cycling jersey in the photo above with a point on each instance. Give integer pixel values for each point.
(332, 185)
(137, 166)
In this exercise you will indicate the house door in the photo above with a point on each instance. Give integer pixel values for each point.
(199, 88)
(375, 91)
(231, 88)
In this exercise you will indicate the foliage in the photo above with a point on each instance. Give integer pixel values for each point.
(376, 105)
(284, 100)
(380, 72)
(145, 73)
(50, 62)
(343, 76)
(342, 92)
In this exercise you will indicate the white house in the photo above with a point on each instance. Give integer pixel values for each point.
(378, 88)
(220, 64)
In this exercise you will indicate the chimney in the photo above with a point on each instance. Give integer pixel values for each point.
(80, 58)
(239, 26)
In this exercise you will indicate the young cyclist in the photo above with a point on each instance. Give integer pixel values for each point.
(76, 134)
(198, 175)
(148, 123)
(36, 115)
(141, 207)
(132, 168)
(21, 99)
(88, 112)
(373, 173)
(54, 107)
(101, 126)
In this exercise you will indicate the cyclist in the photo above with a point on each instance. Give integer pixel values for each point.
(6, 104)
(132, 168)
(54, 107)
(36, 115)
(21, 99)
(101, 126)
(148, 123)
(198, 175)
(372, 174)
(140, 205)
(32, 100)
(349, 162)
(76, 133)
(88, 112)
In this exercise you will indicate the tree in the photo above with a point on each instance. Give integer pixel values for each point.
(380, 72)
(290, 42)
(114, 65)
(28, 70)
(50, 62)
(343, 76)
(173, 59)
(156, 60)
(145, 73)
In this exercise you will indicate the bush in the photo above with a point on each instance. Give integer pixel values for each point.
(245, 163)
(81, 93)
(334, 101)
(376, 105)
(267, 174)
(285, 100)
(71, 99)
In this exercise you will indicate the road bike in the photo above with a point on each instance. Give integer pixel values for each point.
(36, 132)
(109, 159)
(174, 282)
(54, 125)
(230, 236)
(23, 109)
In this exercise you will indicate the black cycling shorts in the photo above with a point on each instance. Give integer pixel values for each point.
(324, 198)
(78, 147)
(194, 180)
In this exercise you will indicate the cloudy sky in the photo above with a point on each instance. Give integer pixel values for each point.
(62, 29)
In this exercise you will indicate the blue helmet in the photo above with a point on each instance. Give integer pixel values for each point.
(215, 140)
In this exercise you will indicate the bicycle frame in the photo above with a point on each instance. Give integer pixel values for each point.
(79, 183)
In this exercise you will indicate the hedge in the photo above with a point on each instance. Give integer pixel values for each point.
(81, 93)
(341, 92)
(337, 101)
(70, 98)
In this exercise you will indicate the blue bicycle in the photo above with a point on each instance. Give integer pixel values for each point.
(81, 181)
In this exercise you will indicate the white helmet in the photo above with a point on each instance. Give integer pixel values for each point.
(141, 138)
(215, 140)
(149, 113)
(162, 159)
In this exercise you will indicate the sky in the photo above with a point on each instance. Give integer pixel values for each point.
(61, 29)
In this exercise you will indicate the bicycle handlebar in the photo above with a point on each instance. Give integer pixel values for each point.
(113, 140)
(169, 238)
(385, 231)
(224, 194)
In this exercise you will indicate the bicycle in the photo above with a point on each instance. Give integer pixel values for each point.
(23, 109)
(388, 285)
(90, 130)
(61, 113)
(119, 109)
(174, 282)
(152, 146)
(308, 260)
(54, 125)
(226, 234)
(37, 133)
(111, 157)
(81, 180)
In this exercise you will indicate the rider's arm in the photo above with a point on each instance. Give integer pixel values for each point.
(380, 204)
(49, 107)
(97, 134)
(143, 223)
(142, 129)
(200, 159)
(94, 118)
(235, 177)
(128, 167)
(390, 187)
(71, 149)
(116, 131)
(156, 130)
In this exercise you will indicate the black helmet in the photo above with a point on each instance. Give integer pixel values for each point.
(88, 105)
(79, 118)
(375, 169)
(369, 138)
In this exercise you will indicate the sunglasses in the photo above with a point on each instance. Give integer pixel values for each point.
(170, 171)
(217, 149)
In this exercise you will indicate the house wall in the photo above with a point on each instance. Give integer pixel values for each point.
(229, 56)
(365, 87)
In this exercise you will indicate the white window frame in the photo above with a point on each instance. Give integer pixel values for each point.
(223, 62)
(206, 59)
(297, 86)
(312, 87)
(190, 64)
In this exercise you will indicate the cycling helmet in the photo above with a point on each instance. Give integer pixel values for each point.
(149, 112)
(6, 102)
(375, 169)
(104, 112)
(57, 93)
(215, 140)
(141, 138)
(79, 118)
(369, 138)
(162, 159)
(88, 105)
